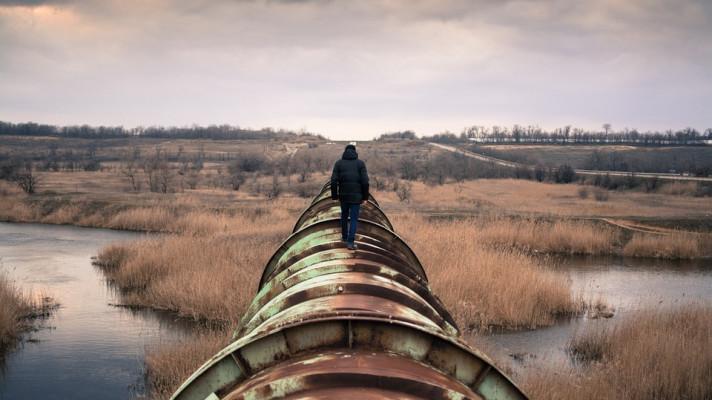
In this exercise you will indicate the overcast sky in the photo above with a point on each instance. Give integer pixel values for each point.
(356, 69)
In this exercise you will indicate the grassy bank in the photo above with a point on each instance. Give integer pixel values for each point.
(568, 236)
(538, 236)
(486, 286)
(18, 311)
(169, 364)
(671, 246)
(207, 272)
(664, 354)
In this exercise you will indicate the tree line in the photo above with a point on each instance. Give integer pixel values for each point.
(531, 134)
(218, 132)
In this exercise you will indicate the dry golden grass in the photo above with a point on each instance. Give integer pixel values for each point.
(156, 219)
(521, 197)
(205, 276)
(657, 354)
(17, 310)
(562, 236)
(14, 208)
(484, 287)
(13, 306)
(63, 215)
(193, 213)
(679, 188)
(169, 364)
(674, 246)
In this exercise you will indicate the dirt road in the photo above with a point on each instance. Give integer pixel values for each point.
(510, 164)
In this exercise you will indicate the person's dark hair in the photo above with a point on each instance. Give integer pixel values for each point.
(350, 146)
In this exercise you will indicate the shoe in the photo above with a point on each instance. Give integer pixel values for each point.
(351, 246)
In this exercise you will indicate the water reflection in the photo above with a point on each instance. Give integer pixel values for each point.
(93, 349)
(628, 285)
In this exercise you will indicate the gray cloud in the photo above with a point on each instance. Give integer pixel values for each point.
(355, 69)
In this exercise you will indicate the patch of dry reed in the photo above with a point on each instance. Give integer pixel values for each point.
(674, 246)
(679, 188)
(15, 210)
(13, 306)
(17, 310)
(63, 215)
(210, 276)
(169, 364)
(483, 286)
(657, 354)
(563, 236)
(154, 219)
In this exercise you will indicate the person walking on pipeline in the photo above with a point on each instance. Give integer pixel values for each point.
(349, 185)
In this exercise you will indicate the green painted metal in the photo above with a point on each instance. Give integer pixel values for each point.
(328, 322)
(324, 236)
(328, 209)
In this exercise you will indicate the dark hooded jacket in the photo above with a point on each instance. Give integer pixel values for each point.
(349, 180)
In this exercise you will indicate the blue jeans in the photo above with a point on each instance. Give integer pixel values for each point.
(349, 211)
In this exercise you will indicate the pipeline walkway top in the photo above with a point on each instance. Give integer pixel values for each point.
(332, 323)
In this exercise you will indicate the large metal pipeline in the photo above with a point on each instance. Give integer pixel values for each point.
(331, 323)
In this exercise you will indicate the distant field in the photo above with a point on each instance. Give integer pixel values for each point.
(615, 158)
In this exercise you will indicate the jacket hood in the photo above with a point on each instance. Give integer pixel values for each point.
(349, 154)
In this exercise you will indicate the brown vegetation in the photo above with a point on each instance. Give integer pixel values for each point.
(483, 286)
(17, 310)
(652, 355)
(671, 246)
(529, 198)
(13, 306)
(169, 364)
(208, 272)
(562, 236)
(680, 188)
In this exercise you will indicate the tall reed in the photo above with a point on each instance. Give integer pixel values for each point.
(656, 354)
(486, 287)
(562, 236)
(672, 246)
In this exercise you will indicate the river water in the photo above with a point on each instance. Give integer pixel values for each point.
(88, 349)
(92, 350)
(626, 284)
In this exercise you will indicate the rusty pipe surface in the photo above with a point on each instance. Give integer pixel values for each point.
(328, 322)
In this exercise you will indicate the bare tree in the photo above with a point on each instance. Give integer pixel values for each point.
(27, 179)
(276, 189)
(192, 179)
(237, 178)
(130, 171)
(164, 178)
(404, 191)
(408, 168)
(158, 173)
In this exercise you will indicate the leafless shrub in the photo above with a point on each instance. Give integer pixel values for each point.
(404, 191)
(275, 189)
(130, 170)
(378, 183)
(600, 195)
(27, 180)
